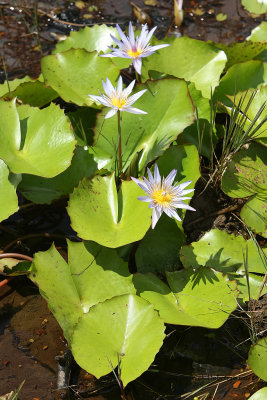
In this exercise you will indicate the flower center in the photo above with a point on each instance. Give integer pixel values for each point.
(134, 53)
(161, 197)
(117, 102)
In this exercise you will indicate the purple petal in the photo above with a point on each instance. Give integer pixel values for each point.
(122, 35)
(156, 214)
(149, 35)
(119, 87)
(117, 41)
(111, 113)
(137, 64)
(131, 34)
(129, 89)
(159, 46)
(185, 206)
(140, 183)
(144, 198)
(157, 177)
(135, 97)
(170, 178)
(134, 110)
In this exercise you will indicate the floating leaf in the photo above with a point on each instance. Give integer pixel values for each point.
(42, 144)
(201, 103)
(159, 249)
(254, 214)
(259, 34)
(8, 196)
(257, 359)
(98, 213)
(223, 252)
(202, 298)
(93, 275)
(13, 267)
(125, 328)
(75, 74)
(259, 395)
(241, 77)
(246, 173)
(221, 17)
(190, 59)
(83, 121)
(44, 191)
(169, 109)
(249, 290)
(255, 6)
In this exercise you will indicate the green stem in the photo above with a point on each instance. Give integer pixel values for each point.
(119, 146)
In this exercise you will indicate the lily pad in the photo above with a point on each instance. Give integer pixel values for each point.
(201, 63)
(98, 213)
(159, 249)
(254, 214)
(246, 173)
(203, 298)
(8, 195)
(255, 6)
(259, 395)
(44, 191)
(259, 34)
(93, 275)
(257, 359)
(169, 109)
(89, 38)
(241, 77)
(125, 328)
(75, 74)
(223, 252)
(42, 144)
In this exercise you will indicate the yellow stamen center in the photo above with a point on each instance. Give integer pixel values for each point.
(134, 53)
(161, 197)
(117, 102)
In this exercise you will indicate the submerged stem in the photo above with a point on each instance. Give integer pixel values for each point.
(119, 146)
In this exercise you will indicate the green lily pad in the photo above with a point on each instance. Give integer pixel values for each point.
(98, 213)
(29, 91)
(125, 328)
(201, 63)
(201, 103)
(246, 293)
(93, 275)
(8, 195)
(203, 298)
(259, 34)
(159, 249)
(14, 267)
(246, 173)
(75, 74)
(223, 252)
(254, 214)
(241, 77)
(255, 6)
(259, 395)
(240, 52)
(89, 38)
(257, 358)
(169, 109)
(42, 144)
(44, 191)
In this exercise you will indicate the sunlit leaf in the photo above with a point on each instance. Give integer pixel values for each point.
(202, 298)
(190, 59)
(223, 252)
(41, 144)
(75, 74)
(98, 213)
(257, 359)
(93, 275)
(254, 214)
(8, 196)
(125, 328)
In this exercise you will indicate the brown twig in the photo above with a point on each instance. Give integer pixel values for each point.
(215, 213)
(32, 235)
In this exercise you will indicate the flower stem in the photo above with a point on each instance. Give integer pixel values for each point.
(119, 146)
(138, 77)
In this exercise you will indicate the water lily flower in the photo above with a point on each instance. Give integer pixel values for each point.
(134, 48)
(162, 195)
(119, 99)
